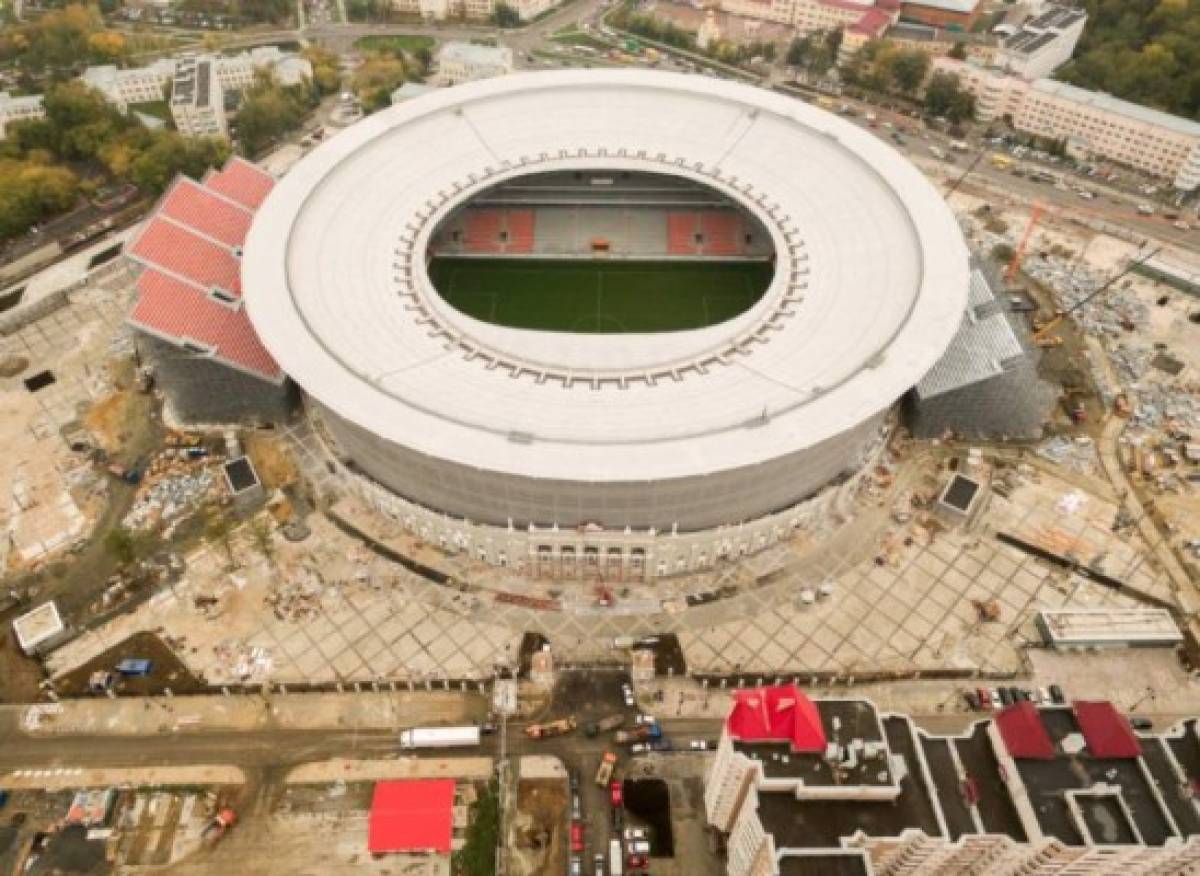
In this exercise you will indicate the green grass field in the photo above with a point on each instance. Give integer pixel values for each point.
(599, 297)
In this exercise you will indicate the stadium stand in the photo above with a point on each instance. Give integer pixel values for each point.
(682, 229)
(482, 231)
(721, 232)
(519, 224)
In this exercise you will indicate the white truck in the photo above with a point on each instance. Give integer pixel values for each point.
(616, 863)
(439, 737)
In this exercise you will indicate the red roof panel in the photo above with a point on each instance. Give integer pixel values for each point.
(191, 204)
(411, 816)
(173, 309)
(1105, 730)
(1023, 732)
(781, 713)
(177, 250)
(243, 182)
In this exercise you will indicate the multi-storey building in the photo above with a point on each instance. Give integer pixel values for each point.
(439, 10)
(148, 84)
(803, 786)
(198, 100)
(1092, 123)
(16, 109)
(959, 14)
(133, 86)
(1043, 44)
(868, 16)
(459, 62)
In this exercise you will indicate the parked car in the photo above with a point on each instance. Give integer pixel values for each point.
(614, 791)
(985, 698)
(576, 866)
(1141, 723)
(699, 745)
(576, 808)
(639, 847)
(1006, 696)
(576, 836)
(639, 748)
(627, 694)
(636, 833)
(574, 778)
(599, 870)
(637, 862)
(1056, 694)
(972, 699)
(644, 720)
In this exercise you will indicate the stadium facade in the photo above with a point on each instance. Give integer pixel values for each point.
(672, 431)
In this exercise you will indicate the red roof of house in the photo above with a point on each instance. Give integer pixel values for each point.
(411, 816)
(873, 23)
(177, 250)
(241, 181)
(1023, 732)
(188, 247)
(183, 313)
(213, 215)
(781, 713)
(1105, 730)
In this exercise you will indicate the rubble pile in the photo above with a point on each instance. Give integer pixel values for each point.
(1077, 454)
(243, 661)
(298, 598)
(173, 494)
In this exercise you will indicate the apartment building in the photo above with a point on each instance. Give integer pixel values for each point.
(869, 16)
(126, 87)
(198, 100)
(1093, 123)
(958, 14)
(459, 62)
(833, 786)
(133, 86)
(439, 10)
(1043, 44)
(16, 109)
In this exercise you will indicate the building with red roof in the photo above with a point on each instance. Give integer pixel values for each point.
(411, 816)
(189, 311)
(1024, 735)
(776, 714)
(1106, 732)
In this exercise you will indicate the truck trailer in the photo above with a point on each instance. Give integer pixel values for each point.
(439, 737)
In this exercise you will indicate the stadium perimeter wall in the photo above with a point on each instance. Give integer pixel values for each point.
(683, 504)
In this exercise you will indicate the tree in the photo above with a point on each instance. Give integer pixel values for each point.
(799, 51)
(119, 544)
(268, 112)
(958, 51)
(263, 538)
(506, 16)
(1002, 253)
(218, 529)
(326, 77)
(376, 78)
(945, 97)
(908, 70)
(31, 191)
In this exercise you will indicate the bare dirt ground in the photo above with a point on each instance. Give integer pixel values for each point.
(537, 833)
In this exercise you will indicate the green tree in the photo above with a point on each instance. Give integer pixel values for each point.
(945, 97)
(31, 191)
(326, 77)
(908, 70)
(506, 16)
(119, 544)
(376, 78)
(268, 112)
(958, 51)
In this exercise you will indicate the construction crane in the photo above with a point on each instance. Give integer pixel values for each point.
(1014, 264)
(1041, 333)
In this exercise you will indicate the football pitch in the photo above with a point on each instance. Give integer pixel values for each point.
(599, 297)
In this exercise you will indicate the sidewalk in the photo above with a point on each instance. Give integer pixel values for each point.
(339, 769)
(71, 779)
(240, 712)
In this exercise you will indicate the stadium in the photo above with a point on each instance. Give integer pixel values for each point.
(616, 298)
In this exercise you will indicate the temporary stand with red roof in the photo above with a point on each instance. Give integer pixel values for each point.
(189, 291)
(411, 816)
(1106, 732)
(1023, 732)
(781, 713)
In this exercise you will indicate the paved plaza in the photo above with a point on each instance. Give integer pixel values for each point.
(903, 598)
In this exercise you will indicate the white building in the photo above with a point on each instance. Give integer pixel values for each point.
(16, 109)
(133, 86)
(439, 10)
(1043, 44)
(409, 90)
(148, 84)
(198, 100)
(459, 62)
(1093, 123)
(814, 15)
